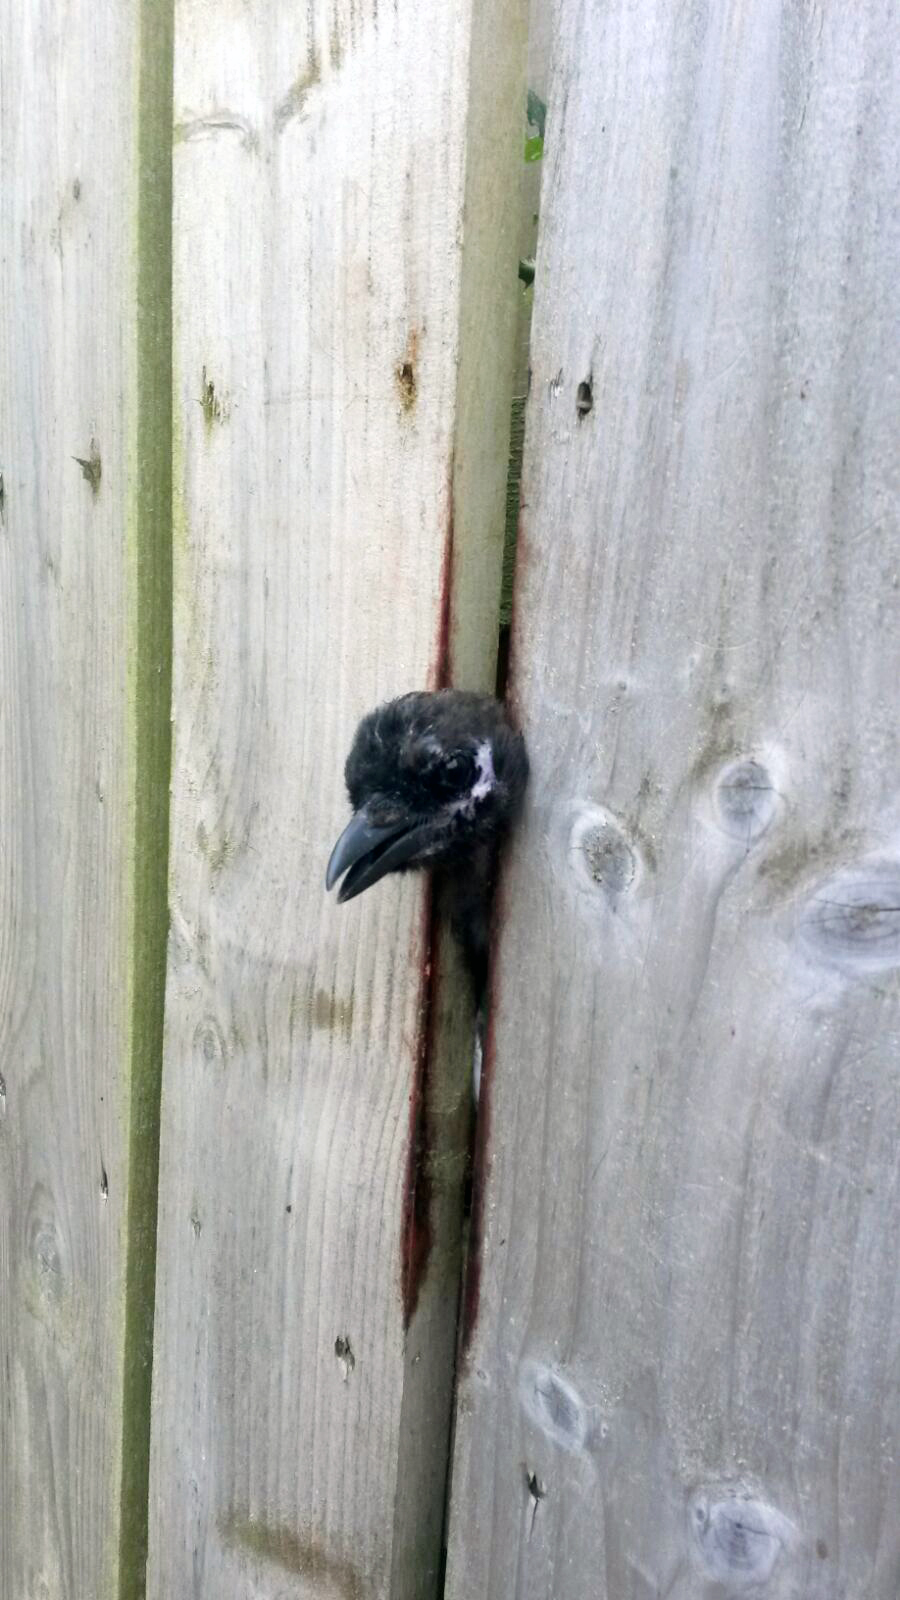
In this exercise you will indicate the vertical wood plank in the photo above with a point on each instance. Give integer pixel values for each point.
(683, 1315)
(344, 299)
(85, 141)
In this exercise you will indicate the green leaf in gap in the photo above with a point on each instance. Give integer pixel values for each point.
(536, 111)
(534, 149)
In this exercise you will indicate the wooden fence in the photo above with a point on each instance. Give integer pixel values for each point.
(255, 384)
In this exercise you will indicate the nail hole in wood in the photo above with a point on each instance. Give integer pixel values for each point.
(345, 1356)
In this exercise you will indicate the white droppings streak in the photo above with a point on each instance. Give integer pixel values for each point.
(486, 779)
(482, 786)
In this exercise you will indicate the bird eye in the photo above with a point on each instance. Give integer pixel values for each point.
(458, 772)
(443, 774)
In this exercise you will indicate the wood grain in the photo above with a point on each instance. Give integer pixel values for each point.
(345, 280)
(681, 1371)
(85, 136)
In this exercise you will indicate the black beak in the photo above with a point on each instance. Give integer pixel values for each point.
(367, 851)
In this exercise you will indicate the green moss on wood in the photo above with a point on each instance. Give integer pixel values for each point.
(296, 97)
(513, 491)
(150, 685)
(294, 1553)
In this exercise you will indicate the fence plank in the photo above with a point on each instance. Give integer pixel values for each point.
(683, 1320)
(85, 143)
(345, 190)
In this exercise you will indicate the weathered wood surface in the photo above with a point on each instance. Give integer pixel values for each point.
(681, 1369)
(84, 402)
(345, 186)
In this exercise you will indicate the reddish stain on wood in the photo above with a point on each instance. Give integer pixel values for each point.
(416, 1232)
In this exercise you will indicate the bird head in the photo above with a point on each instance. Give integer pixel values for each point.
(432, 779)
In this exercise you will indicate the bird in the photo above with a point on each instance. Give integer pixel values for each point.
(436, 780)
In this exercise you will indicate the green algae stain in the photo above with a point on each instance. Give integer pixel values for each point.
(303, 1557)
(150, 552)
